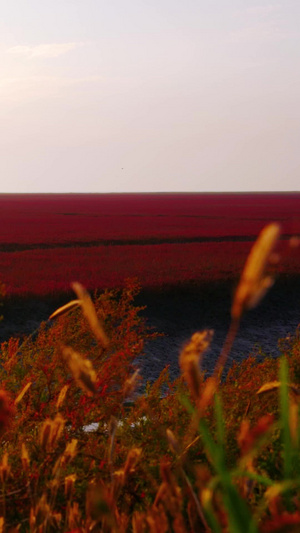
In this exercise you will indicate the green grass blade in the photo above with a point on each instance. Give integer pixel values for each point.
(212, 520)
(239, 516)
(220, 421)
(263, 480)
(284, 419)
(207, 439)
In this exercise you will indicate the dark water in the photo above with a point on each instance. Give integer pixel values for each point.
(180, 311)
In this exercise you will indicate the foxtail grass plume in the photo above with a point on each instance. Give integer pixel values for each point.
(70, 451)
(51, 432)
(173, 442)
(25, 457)
(69, 485)
(65, 309)
(4, 468)
(132, 458)
(254, 283)
(45, 433)
(208, 391)
(90, 313)
(41, 511)
(62, 396)
(82, 370)
(190, 359)
(131, 384)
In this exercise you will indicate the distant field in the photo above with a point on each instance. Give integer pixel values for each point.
(47, 241)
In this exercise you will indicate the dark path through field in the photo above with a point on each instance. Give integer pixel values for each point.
(179, 312)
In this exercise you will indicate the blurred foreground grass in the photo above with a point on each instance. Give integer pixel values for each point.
(81, 451)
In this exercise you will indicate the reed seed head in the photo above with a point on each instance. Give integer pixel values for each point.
(69, 485)
(45, 433)
(25, 457)
(131, 384)
(173, 442)
(132, 459)
(190, 359)
(51, 432)
(82, 370)
(61, 396)
(57, 428)
(89, 312)
(208, 392)
(254, 283)
(4, 468)
(70, 451)
(42, 510)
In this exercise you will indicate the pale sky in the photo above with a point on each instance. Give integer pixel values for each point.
(149, 95)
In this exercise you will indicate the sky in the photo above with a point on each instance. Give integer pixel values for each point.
(149, 96)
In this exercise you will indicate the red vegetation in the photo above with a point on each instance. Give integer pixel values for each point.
(46, 241)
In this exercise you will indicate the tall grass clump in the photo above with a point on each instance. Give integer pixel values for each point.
(84, 449)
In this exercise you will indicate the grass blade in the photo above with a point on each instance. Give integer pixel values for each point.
(284, 419)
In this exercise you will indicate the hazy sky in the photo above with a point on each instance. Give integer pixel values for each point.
(149, 95)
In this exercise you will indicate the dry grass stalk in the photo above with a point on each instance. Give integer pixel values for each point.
(23, 391)
(57, 428)
(25, 457)
(120, 476)
(173, 442)
(61, 396)
(254, 283)
(74, 517)
(188, 446)
(130, 384)
(70, 451)
(82, 370)
(190, 359)
(157, 521)
(90, 313)
(112, 428)
(65, 309)
(274, 385)
(41, 512)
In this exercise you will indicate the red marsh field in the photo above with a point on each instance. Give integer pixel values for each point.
(47, 241)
